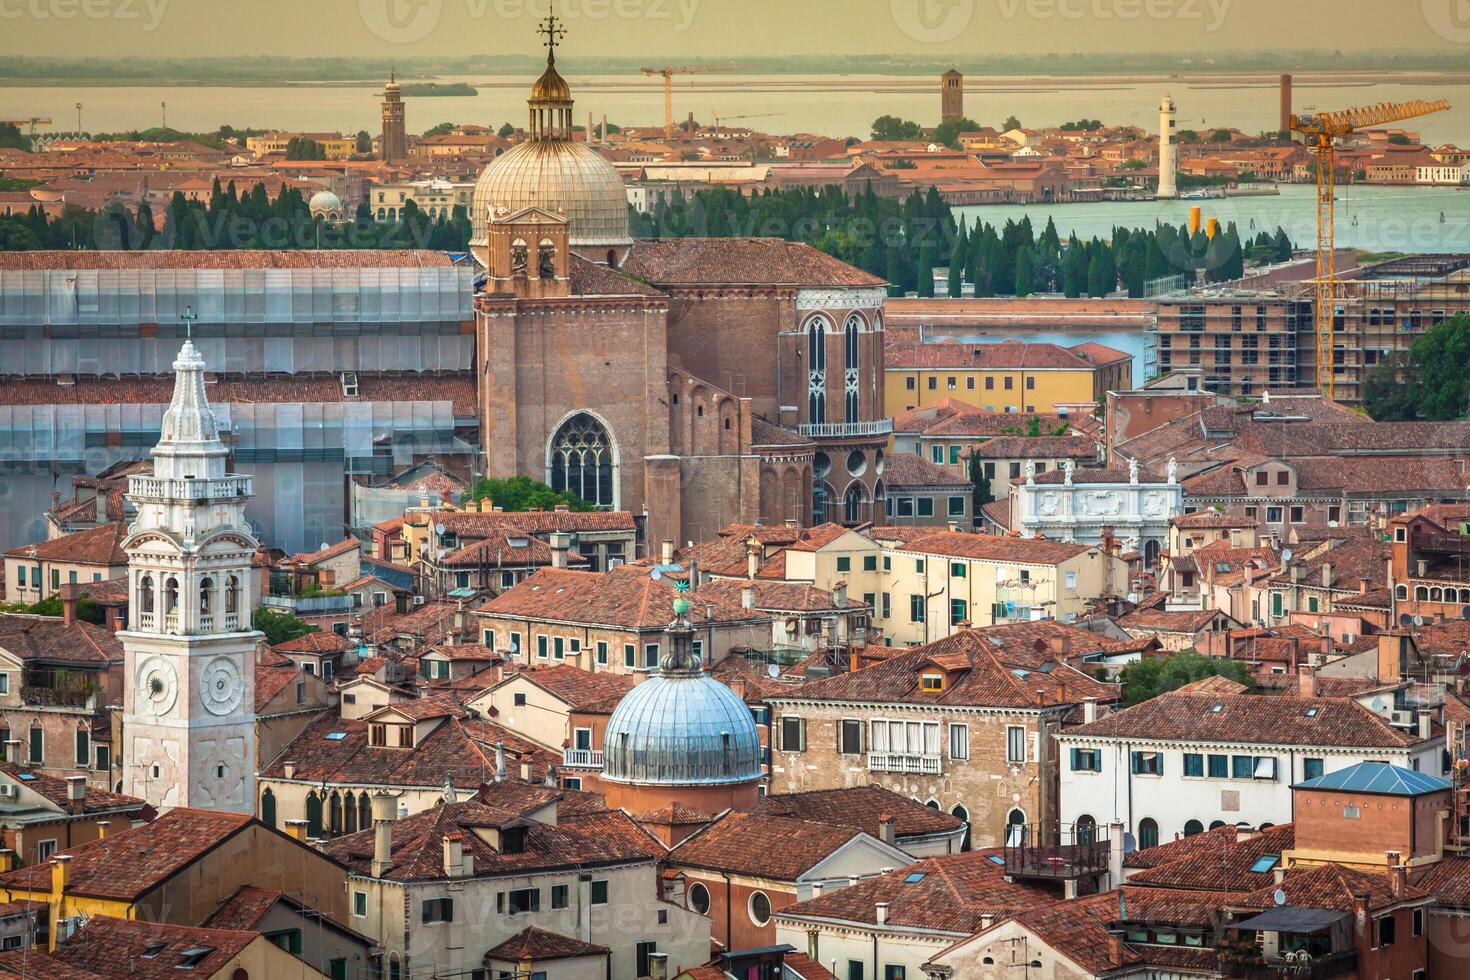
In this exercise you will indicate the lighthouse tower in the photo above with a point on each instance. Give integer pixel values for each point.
(189, 690)
(1168, 163)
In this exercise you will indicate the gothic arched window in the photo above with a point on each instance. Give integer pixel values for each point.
(581, 460)
(364, 811)
(519, 256)
(268, 808)
(313, 815)
(334, 813)
(850, 366)
(852, 504)
(349, 813)
(821, 500)
(816, 366)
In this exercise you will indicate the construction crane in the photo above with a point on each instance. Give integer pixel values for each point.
(32, 122)
(669, 71)
(748, 115)
(1320, 132)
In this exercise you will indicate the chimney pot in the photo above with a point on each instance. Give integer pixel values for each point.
(886, 831)
(1089, 710)
(880, 912)
(289, 768)
(747, 597)
(666, 552)
(76, 793)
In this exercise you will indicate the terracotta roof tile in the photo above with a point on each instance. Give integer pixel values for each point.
(861, 808)
(913, 470)
(995, 547)
(100, 545)
(721, 261)
(49, 639)
(150, 950)
(740, 843)
(539, 945)
(55, 790)
(625, 597)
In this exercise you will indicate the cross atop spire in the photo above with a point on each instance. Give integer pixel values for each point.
(554, 32)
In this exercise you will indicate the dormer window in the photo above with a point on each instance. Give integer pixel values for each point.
(929, 681)
(383, 735)
(513, 840)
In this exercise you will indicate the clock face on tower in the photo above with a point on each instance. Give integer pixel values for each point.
(219, 686)
(158, 686)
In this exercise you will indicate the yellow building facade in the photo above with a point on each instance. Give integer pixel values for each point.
(1010, 376)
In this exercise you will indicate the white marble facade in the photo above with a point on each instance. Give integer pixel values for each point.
(1078, 507)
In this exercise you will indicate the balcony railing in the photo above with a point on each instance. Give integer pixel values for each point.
(1046, 851)
(898, 762)
(300, 605)
(582, 758)
(50, 697)
(214, 489)
(876, 427)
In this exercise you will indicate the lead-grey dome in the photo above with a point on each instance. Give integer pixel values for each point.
(684, 729)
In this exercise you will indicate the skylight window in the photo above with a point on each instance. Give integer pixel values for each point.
(1265, 863)
(1312, 712)
(1217, 709)
(26, 776)
(914, 878)
(336, 736)
(995, 859)
(193, 956)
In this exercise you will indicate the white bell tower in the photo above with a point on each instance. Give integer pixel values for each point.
(188, 734)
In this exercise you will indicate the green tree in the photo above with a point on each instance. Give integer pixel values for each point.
(1011, 123)
(948, 133)
(440, 129)
(302, 148)
(279, 627)
(364, 141)
(1220, 136)
(894, 128)
(924, 285)
(11, 138)
(1428, 381)
(506, 131)
(520, 493)
(979, 481)
(1025, 271)
(1145, 679)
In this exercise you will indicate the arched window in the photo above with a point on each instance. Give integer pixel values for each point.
(334, 813)
(581, 460)
(852, 504)
(364, 812)
(1401, 591)
(268, 808)
(546, 259)
(850, 333)
(232, 594)
(520, 254)
(1148, 833)
(1151, 552)
(821, 500)
(816, 366)
(1421, 593)
(206, 595)
(1192, 827)
(1015, 827)
(1084, 831)
(145, 593)
(313, 814)
(1216, 824)
(963, 814)
(170, 595)
(612, 259)
(349, 813)
(1435, 595)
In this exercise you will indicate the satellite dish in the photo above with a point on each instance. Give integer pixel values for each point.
(773, 671)
(324, 547)
(1130, 843)
(1332, 524)
(1286, 556)
(1418, 620)
(514, 647)
(655, 574)
(1279, 896)
(1465, 613)
(439, 528)
(1406, 620)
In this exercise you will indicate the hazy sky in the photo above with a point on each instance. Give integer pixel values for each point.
(715, 28)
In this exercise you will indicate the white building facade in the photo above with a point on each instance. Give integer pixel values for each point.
(1077, 505)
(188, 736)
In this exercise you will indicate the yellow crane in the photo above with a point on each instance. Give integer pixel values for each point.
(1320, 132)
(749, 115)
(669, 71)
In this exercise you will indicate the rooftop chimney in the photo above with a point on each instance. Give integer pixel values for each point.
(1398, 874)
(384, 813)
(839, 595)
(561, 543)
(816, 889)
(102, 826)
(1115, 948)
(880, 912)
(69, 592)
(101, 501)
(747, 597)
(76, 793)
(1306, 681)
(1424, 723)
(60, 873)
(453, 855)
(1089, 710)
(1327, 575)
(666, 552)
(752, 557)
(296, 829)
(885, 829)
(289, 768)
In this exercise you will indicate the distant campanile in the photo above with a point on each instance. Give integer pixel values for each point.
(951, 96)
(395, 137)
(1285, 124)
(1167, 149)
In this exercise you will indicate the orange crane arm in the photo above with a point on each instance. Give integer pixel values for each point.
(1350, 120)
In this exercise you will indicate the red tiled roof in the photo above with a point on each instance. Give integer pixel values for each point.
(626, 597)
(995, 547)
(538, 945)
(583, 690)
(982, 674)
(128, 864)
(913, 470)
(469, 525)
(722, 261)
(226, 259)
(126, 948)
(100, 545)
(998, 355)
(860, 808)
(55, 791)
(1329, 886)
(950, 895)
(322, 641)
(740, 843)
(49, 639)
(36, 962)
(1251, 720)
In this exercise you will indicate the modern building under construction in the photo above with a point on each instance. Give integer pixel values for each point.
(324, 368)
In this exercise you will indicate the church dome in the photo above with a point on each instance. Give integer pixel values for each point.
(558, 176)
(681, 728)
(551, 87)
(325, 203)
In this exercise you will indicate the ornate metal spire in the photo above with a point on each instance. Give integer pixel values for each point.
(551, 27)
(189, 445)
